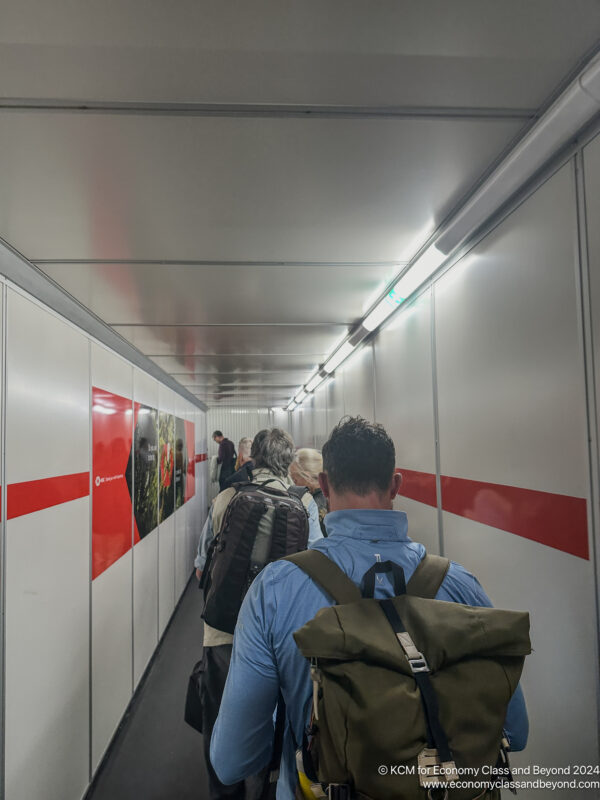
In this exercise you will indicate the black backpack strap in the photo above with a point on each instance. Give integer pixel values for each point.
(298, 491)
(279, 535)
(327, 575)
(428, 577)
(269, 789)
(420, 670)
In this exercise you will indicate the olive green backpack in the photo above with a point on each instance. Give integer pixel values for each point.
(410, 693)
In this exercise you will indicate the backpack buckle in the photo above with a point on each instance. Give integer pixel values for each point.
(433, 772)
(419, 664)
(416, 659)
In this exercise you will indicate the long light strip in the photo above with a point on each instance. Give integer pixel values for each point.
(575, 107)
(339, 356)
(314, 382)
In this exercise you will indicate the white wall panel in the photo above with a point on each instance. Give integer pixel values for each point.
(112, 652)
(48, 560)
(112, 648)
(557, 590)
(335, 399)
(512, 411)
(359, 398)
(280, 419)
(592, 195)
(181, 550)
(510, 366)
(145, 561)
(320, 417)
(404, 406)
(235, 423)
(303, 424)
(404, 385)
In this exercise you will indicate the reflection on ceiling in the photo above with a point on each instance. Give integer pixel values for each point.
(245, 185)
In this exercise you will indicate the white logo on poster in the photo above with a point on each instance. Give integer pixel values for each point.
(108, 479)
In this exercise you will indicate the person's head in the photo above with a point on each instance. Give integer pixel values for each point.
(218, 437)
(244, 448)
(305, 468)
(359, 463)
(273, 449)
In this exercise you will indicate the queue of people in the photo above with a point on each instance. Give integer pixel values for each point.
(326, 652)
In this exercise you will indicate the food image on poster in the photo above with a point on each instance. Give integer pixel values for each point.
(166, 447)
(180, 462)
(145, 459)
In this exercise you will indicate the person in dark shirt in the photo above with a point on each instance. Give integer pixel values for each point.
(226, 457)
(244, 464)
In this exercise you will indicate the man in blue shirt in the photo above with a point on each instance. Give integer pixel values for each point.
(360, 484)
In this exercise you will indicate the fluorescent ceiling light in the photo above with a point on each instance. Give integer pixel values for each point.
(300, 396)
(292, 406)
(337, 358)
(575, 107)
(422, 269)
(382, 311)
(313, 382)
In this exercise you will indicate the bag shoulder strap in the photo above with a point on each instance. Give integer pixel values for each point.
(298, 491)
(327, 575)
(428, 577)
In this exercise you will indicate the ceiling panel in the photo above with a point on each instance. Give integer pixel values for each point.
(226, 363)
(120, 187)
(468, 52)
(267, 376)
(156, 294)
(206, 339)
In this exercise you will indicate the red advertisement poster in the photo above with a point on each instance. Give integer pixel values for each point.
(190, 440)
(111, 499)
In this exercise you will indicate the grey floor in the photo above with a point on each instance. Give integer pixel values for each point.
(156, 755)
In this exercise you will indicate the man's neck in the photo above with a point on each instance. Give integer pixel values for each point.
(350, 501)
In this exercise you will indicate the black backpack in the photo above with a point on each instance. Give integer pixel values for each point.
(261, 524)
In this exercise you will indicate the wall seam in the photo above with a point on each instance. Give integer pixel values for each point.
(374, 371)
(90, 566)
(582, 278)
(436, 423)
(3, 528)
(132, 530)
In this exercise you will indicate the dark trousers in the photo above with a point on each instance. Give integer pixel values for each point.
(216, 667)
(227, 471)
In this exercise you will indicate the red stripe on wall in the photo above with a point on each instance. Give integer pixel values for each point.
(556, 520)
(419, 486)
(201, 457)
(30, 496)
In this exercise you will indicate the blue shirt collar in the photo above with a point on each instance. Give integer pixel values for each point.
(368, 523)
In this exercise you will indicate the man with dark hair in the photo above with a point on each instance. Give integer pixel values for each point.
(225, 457)
(360, 482)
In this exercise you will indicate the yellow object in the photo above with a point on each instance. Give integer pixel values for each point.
(310, 791)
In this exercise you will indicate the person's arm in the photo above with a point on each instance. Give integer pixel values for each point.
(206, 538)
(516, 724)
(314, 526)
(242, 738)
(221, 454)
